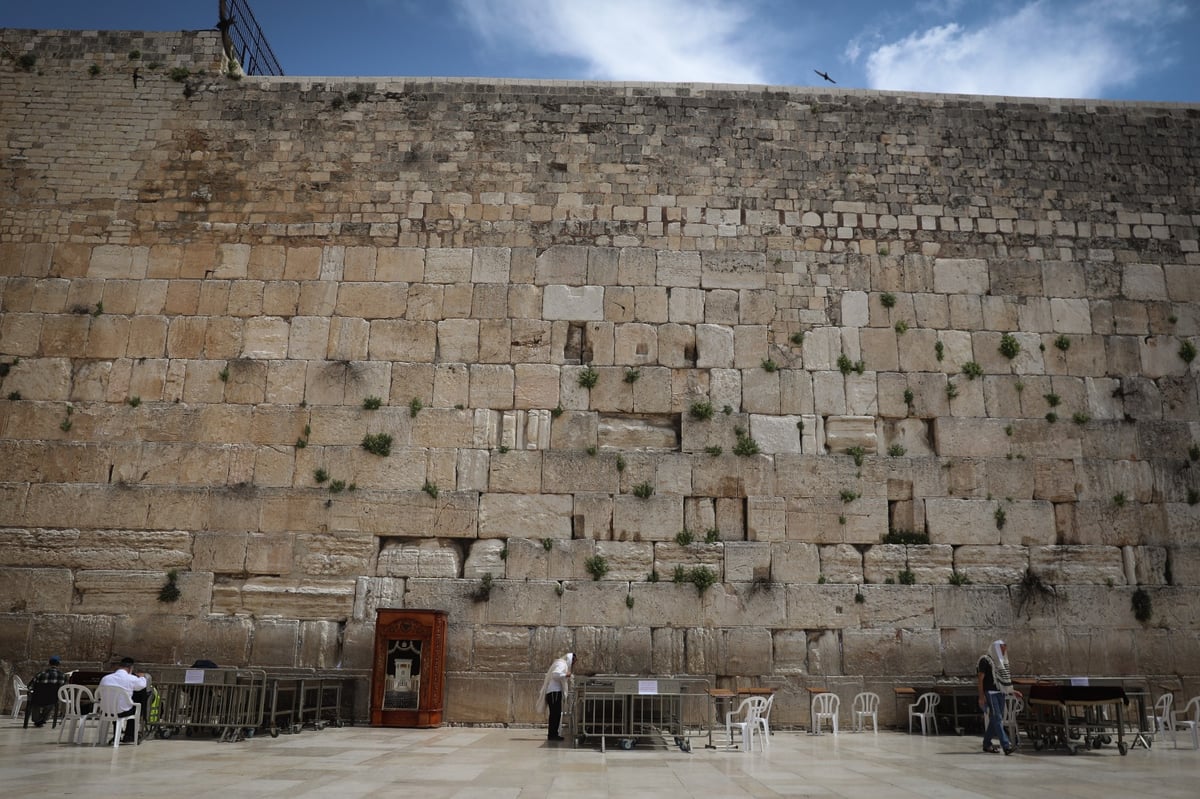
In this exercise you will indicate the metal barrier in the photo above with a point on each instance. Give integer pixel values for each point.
(244, 40)
(299, 702)
(227, 702)
(633, 708)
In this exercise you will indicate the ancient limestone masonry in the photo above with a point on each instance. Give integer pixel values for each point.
(609, 343)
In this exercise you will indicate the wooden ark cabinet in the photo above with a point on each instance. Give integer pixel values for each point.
(408, 672)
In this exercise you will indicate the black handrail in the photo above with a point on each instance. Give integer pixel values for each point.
(244, 40)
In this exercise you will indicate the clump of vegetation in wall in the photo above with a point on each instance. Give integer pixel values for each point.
(652, 577)
(134, 401)
(337, 486)
(858, 453)
(684, 537)
(701, 410)
(632, 375)
(588, 378)
(170, 590)
(179, 74)
(547, 544)
(1119, 499)
(483, 591)
(621, 463)
(906, 577)
(556, 411)
(909, 398)
(372, 403)
(846, 366)
(901, 327)
(414, 406)
(1052, 399)
(1063, 343)
(135, 55)
(1032, 588)
(320, 475)
(859, 598)
(1080, 418)
(629, 601)
(714, 450)
(378, 444)
(797, 338)
(972, 370)
(592, 450)
(1187, 351)
(302, 442)
(1001, 517)
(769, 365)
(939, 350)
(94, 70)
(26, 62)
(905, 537)
(1141, 605)
(896, 450)
(431, 489)
(643, 490)
(887, 299)
(597, 566)
(712, 535)
(849, 496)
(700, 576)
(745, 446)
(958, 578)
(951, 390)
(1009, 346)
(224, 375)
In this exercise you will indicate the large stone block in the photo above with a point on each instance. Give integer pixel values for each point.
(1062, 565)
(655, 518)
(525, 516)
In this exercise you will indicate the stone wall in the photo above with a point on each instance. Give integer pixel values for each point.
(593, 316)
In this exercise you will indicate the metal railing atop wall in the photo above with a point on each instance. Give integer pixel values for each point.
(244, 39)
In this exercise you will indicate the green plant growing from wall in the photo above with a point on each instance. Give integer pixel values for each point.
(629, 601)
(1187, 351)
(134, 401)
(337, 486)
(972, 370)
(857, 453)
(592, 450)
(848, 495)
(224, 375)
(797, 338)
(702, 577)
(769, 365)
(320, 475)
(906, 577)
(958, 578)
(179, 74)
(712, 535)
(1080, 418)
(905, 537)
(597, 566)
(431, 489)
(1001, 517)
(714, 450)
(897, 450)
(701, 410)
(620, 463)
(302, 442)
(556, 411)
(887, 299)
(1119, 499)
(745, 446)
(372, 403)
(26, 62)
(684, 537)
(643, 490)
(939, 350)
(170, 590)
(1063, 343)
(414, 407)
(909, 398)
(901, 327)
(1009, 346)
(1141, 604)
(1052, 399)
(1051, 417)
(94, 70)
(588, 378)
(727, 410)
(845, 365)
(483, 590)
(547, 544)
(951, 390)
(378, 444)
(632, 375)
(14, 396)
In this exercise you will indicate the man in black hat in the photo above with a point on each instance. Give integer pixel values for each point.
(135, 684)
(43, 693)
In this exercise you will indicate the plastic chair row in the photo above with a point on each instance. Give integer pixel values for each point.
(104, 714)
(1167, 722)
(825, 707)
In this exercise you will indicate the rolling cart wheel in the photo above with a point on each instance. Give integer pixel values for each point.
(274, 732)
(1122, 748)
(626, 744)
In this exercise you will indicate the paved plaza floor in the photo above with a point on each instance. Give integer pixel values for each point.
(491, 763)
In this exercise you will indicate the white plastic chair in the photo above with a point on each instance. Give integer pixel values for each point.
(925, 709)
(108, 698)
(865, 706)
(1013, 705)
(1188, 719)
(73, 697)
(1160, 721)
(20, 696)
(764, 720)
(747, 728)
(825, 706)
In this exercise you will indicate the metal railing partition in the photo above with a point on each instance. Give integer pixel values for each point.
(244, 40)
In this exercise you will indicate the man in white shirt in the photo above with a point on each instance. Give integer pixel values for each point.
(134, 684)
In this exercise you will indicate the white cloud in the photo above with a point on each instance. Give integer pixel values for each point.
(1042, 50)
(700, 41)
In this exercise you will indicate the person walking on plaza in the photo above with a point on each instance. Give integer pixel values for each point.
(554, 689)
(995, 683)
(43, 693)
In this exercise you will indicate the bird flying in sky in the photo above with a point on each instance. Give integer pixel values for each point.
(825, 75)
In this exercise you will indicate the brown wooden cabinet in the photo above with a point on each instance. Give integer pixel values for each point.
(408, 673)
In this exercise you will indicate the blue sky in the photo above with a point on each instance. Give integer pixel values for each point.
(1115, 49)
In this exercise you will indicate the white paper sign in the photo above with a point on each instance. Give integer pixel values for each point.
(647, 686)
(193, 677)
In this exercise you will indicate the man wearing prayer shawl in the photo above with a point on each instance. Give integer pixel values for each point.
(554, 688)
(995, 683)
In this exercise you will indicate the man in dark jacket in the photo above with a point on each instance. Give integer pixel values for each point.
(43, 693)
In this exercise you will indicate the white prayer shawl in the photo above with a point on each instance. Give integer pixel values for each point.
(556, 679)
(1000, 671)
